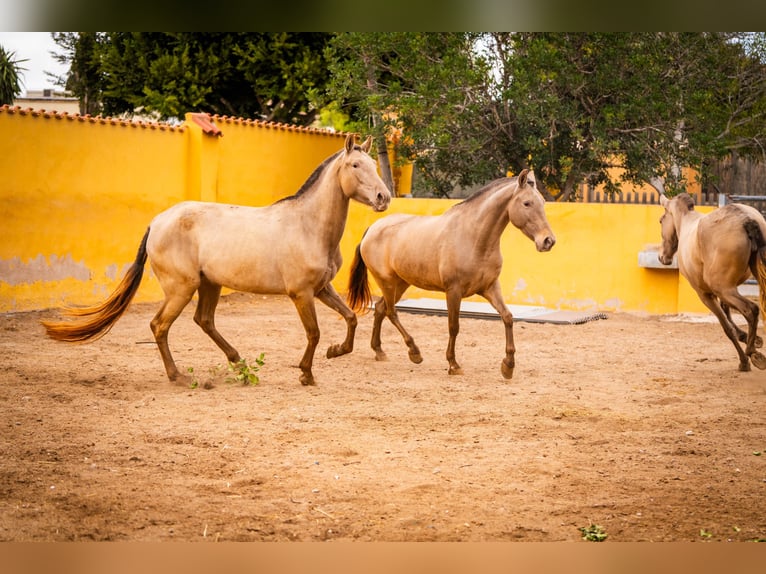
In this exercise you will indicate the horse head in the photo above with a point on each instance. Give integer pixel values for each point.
(359, 177)
(526, 211)
(674, 209)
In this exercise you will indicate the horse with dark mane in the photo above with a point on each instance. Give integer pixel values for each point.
(290, 247)
(457, 253)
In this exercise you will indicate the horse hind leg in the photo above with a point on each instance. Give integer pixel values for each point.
(329, 296)
(204, 316)
(377, 323)
(169, 311)
(741, 335)
(749, 311)
(712, 302)
(387, 307)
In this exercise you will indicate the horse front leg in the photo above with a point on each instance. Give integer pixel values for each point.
(209, 295)
(304, 303)
(329, 296)
(495, 297)
(392, 292)
(454, 299)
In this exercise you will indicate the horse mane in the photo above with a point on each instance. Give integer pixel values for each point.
(312, 179)
(487, 189)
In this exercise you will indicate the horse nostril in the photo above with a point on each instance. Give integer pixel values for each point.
(549, 242)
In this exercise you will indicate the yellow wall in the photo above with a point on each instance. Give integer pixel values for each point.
(78, 193)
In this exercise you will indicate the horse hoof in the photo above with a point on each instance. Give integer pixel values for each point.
(759, 360)
(455, 371)
(744, 367)
(307, 381)
(416, 358)
(336, 351)
(380, 356)
(506, 370)
(758, 342)
(182, 380)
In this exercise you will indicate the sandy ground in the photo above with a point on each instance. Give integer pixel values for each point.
(640, 425)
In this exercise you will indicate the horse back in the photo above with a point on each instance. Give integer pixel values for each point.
(244, 248)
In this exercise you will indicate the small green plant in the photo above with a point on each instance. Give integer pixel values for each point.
(705, 534)
(194, 381)
(245, 373)
(593, 533)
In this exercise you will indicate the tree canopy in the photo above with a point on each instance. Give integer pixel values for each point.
(269, 76)
(571, 106)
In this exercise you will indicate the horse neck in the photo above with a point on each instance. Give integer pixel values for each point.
(487, 218)
(327, 205)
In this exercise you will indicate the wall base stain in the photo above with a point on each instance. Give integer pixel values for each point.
(15, 272)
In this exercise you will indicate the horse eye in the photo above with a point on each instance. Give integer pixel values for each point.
(355, 165)
(527, 204)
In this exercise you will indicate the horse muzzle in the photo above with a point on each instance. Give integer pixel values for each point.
(546, 244)
(381, 201)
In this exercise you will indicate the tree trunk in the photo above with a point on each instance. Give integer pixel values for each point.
(383, 161)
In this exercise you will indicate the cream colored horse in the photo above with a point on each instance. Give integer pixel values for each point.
(717, 252)
(457, 252)
(290, 247)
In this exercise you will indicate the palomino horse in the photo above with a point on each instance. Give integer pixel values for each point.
(457, 252)
(716, 253)
(290, 247)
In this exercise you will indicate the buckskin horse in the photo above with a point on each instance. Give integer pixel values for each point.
(457, 253)
(717, 252)
(290, 247)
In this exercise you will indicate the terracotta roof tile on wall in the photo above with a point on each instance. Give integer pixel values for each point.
(88, 118)
(277, 125)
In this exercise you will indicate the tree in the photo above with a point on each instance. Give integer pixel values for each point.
(84, 78)
(269, 76)
(571, 106)
(10, 76)
(423, 85)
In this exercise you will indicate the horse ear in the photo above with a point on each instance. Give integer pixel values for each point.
(367, 144)
(349, 143)
(523, 177)
(664, 200)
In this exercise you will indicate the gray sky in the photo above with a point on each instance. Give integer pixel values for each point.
(34, 47)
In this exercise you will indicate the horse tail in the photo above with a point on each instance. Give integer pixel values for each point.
(758, 266)
(761, 277)
(359, 297)
(98, 320)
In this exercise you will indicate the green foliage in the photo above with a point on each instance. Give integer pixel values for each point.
(245, 373)
(10, 76)
(573, 106)
(269, 76)
(593, 533)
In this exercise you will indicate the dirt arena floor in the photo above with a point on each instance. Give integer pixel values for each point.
(639, 425)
